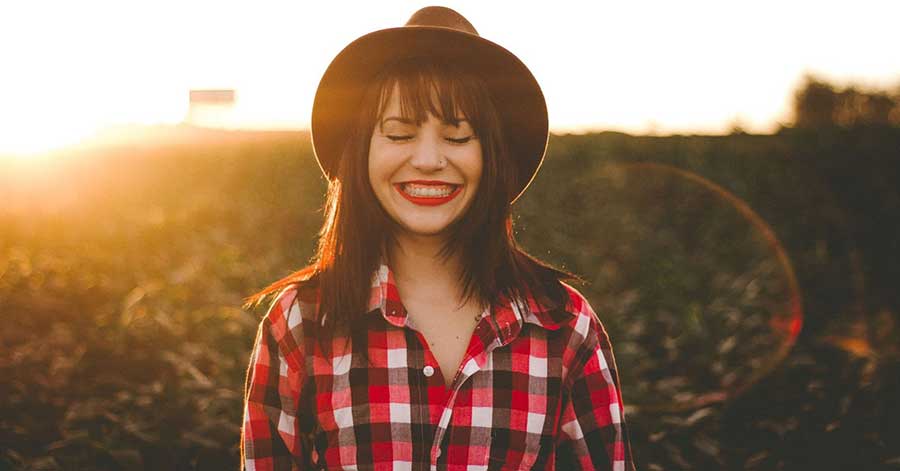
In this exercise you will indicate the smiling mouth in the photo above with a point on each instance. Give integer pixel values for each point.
(427, 191)
(428, 194)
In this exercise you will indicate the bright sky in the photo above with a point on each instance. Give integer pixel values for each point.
(72, 68)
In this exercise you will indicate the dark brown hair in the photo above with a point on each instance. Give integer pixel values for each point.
(357, 230)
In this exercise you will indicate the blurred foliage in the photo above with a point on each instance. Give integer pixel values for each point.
(661, 245)
(819, 104)
(122, 270)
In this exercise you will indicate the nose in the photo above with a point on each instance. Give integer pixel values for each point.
(427, 155)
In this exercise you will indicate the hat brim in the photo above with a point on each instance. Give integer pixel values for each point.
(517, 95)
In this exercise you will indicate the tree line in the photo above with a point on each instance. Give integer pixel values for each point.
(818, 103)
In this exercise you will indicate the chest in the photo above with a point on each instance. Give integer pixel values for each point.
(446, 334)
(503, 409)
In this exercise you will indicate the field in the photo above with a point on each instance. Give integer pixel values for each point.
(749, 285)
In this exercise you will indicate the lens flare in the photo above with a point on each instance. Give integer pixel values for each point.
(697, 292)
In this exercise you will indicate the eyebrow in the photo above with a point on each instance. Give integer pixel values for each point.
(454, 122)
(396, 118)
(393, 118)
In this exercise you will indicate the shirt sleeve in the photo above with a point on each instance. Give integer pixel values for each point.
(274, 435)
(593, 434)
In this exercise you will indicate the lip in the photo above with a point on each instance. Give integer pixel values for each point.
(428, 201)
(428, 182)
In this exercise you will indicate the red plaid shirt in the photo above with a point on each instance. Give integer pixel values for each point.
(537, 389)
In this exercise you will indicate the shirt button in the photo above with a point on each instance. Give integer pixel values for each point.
(428, 371)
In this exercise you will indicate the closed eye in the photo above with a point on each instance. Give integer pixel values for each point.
(460, 140)
(396, 137)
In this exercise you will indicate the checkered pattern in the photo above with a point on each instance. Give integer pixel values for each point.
(537, 389)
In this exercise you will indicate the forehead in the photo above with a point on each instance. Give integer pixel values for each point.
(417, 100)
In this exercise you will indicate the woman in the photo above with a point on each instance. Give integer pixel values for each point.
(422, 337)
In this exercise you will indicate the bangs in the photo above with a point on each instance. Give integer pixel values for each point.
(428, 88)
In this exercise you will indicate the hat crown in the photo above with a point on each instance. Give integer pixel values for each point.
(441, 17)
(438, 33)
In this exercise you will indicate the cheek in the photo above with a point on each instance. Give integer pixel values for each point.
(370, 159)
(381, 170)
(377, 165)
(373, 177)
(477, 166)
(383, 160)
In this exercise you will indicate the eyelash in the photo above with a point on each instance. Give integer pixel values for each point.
(461, 140)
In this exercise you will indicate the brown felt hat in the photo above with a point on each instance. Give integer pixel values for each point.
(432, 32)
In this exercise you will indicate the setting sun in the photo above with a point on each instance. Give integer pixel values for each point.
(645, 67)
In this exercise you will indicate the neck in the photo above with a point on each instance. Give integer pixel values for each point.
(416, 262)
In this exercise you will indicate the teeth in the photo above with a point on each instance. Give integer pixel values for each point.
(428, 191)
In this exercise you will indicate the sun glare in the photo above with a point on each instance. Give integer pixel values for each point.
(23, 140)
(612, 66)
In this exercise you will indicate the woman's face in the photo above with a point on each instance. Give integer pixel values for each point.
(425, 176)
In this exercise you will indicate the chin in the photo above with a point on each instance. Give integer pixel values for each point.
(425, 230)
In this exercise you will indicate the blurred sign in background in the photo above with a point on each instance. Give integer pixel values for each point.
(211, 108)
(731, 198)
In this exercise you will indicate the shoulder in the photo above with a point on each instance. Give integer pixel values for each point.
(582, 318)
(290, 315)
(571, 312)
(294, 304)
(584, 332)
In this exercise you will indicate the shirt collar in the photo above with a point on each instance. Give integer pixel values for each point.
(508, 316)
(385, 298)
